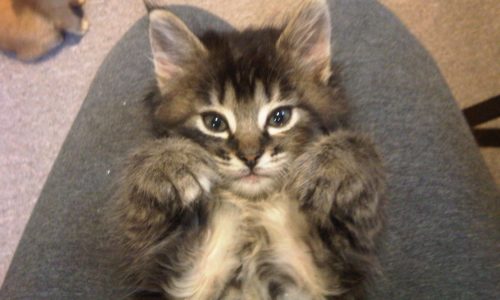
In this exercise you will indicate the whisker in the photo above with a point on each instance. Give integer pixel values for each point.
(222, 161)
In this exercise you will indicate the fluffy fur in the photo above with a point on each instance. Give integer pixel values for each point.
(254, 188)
(31, 28)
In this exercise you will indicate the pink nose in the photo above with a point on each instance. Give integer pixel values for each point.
(250, 159)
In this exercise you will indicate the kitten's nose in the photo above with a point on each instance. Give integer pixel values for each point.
(250, 159)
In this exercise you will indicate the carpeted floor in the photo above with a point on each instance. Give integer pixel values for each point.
(38, 102)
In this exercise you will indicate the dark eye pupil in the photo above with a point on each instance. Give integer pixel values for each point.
(278, 117)
(216, 122)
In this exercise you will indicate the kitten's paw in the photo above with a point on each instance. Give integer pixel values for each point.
(84, 26)
(75, 24)
(335, 172)
(172, 169)
(67, 15)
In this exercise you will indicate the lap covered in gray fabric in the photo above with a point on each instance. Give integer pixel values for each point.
(443, 210)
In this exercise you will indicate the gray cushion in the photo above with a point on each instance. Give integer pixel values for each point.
(443, 211)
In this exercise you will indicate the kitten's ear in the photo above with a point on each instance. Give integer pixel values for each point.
(174, 46)
(306, 39)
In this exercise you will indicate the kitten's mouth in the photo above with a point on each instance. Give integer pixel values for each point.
(251, 178)
(252, 184)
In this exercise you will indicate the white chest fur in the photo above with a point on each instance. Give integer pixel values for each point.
(246, 236)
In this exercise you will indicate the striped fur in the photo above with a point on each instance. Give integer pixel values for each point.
(254, 189)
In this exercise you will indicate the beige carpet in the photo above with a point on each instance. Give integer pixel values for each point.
(38, 102)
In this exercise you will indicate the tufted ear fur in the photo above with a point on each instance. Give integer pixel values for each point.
(306, 39)
(173, 45)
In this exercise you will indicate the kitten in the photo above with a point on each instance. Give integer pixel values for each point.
(31, 28)
(256, 191)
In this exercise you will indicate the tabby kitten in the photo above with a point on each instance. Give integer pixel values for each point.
(255, 191)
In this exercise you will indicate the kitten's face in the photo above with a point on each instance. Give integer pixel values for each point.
(252, 138)
(254, 99)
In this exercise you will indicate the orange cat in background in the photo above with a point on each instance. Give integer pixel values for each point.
(31, 28)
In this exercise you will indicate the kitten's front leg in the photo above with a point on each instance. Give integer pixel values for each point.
(161, 209)
(339, 182)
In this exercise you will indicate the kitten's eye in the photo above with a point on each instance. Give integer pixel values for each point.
(280, 116)
(214, 122)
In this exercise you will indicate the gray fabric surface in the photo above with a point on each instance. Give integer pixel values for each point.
(442, 229)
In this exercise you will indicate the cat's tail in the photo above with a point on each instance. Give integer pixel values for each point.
(154, 4)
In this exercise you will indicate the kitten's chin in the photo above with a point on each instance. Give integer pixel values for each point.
(253, 186)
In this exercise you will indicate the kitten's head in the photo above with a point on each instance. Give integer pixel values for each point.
(254, 99)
